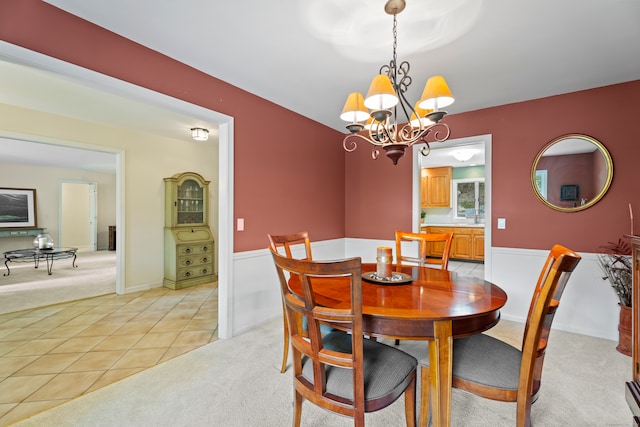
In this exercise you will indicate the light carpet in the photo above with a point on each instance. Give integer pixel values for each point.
(27, 287)
(237, 382)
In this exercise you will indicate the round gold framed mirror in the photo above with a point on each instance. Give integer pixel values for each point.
(572, 173)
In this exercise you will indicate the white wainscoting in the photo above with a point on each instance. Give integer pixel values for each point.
(588, 306)
(255, 295)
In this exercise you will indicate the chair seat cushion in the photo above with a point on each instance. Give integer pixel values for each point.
(385, 368)
(485, 360)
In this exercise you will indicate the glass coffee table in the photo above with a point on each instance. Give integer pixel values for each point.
(35, 255)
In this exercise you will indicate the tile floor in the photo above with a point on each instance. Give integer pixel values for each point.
(466, 268)
(52, 354)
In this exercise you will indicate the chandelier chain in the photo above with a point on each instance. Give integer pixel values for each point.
(395, 39)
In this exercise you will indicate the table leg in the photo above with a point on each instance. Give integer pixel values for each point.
(49, 265)
(6, 264)
(440, 361)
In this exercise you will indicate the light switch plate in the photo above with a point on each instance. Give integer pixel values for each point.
(502, 223)
(240, 226)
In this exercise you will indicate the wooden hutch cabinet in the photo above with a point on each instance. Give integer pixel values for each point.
(632, 389)
(188, 241)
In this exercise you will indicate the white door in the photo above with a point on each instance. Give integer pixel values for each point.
(78, 215)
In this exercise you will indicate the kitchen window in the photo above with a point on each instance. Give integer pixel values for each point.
(468, 195)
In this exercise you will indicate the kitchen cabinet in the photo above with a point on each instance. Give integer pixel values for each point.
(461, 247)
(188, 241)
(436, 187)
(467, 244)
(477, 241)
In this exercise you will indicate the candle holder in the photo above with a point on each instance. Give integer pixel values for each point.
(43, 241)
(384, 262)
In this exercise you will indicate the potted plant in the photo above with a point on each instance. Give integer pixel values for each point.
(422, 215)
(617, 265)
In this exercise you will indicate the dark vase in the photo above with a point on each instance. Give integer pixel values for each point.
(624, 330)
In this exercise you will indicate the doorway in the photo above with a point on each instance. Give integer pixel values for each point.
(161, 103)
(78, 211)
(440, 151)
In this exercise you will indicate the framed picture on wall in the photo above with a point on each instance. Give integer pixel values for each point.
(18, 208)
(569, 192)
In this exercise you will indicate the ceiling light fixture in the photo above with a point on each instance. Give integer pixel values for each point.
(463, 155)
(199, 134)
(387, 92)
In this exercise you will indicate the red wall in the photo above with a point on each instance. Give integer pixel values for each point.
(289, 170)
(519, 131)
(335, 194)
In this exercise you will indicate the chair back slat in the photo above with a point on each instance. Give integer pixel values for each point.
(423, 241)
(551, 284)
(290, 243)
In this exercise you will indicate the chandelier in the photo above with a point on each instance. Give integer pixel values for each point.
(377, 114)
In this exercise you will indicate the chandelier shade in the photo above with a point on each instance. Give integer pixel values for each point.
(354, 109)
(436, 94)
(381, 95)
(377, 121)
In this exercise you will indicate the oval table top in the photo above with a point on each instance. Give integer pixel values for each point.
(408, 310)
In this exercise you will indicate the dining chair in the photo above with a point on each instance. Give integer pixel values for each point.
(439, 241)
(342, 372)
(290, 243)
(493, 369)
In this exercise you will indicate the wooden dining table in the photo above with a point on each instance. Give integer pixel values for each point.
(434, 305)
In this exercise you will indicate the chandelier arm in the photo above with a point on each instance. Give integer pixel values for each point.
(406, 80)
(441, 132)
(387, 69)
(404, 103)
(408, 134)
(382, 133)
(349, 143)
(426, 149)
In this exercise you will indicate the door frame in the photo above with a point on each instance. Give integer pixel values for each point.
(420, 161)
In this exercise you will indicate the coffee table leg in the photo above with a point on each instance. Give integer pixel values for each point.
(6, 264)
(440, 361)
(49, 264)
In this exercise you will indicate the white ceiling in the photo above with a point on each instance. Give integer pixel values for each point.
(308, 55)
(53, 93)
